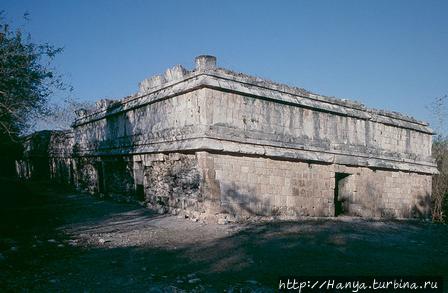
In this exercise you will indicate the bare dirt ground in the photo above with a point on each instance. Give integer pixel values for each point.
(63, 241)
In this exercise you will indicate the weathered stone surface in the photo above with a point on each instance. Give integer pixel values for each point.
(205, 62)
(214, 142)
(151, 83)
(173, 183)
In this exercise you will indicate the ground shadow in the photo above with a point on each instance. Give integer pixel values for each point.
(147, 251)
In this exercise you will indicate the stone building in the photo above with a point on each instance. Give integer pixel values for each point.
(211, 143)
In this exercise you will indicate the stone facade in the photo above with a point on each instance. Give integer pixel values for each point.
(211, 142)
(47, 155)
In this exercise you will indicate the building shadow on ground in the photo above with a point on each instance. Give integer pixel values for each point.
(248, 256)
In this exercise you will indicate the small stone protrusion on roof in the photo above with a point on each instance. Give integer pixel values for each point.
(204, 62)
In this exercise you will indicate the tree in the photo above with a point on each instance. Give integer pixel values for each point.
(440, 181)
(61, 116)
(439, 109)
(27, 79)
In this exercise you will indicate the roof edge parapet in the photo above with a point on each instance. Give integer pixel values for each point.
(206, 64)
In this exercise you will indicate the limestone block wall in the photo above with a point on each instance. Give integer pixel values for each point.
(210, 108)
(47, 155)
(212, 184)
(172, 182)
(243, 118)
(111, 176)
(34, 162)
(168, 182)
(165, 121)
(117, 173)
(88, 175)
(61, 170)
(248, 186)
(60, 157)
(383, 193)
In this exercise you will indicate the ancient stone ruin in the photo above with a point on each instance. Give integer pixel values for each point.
(212, 143)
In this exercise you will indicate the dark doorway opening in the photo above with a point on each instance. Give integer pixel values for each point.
(140, 192)
(71, 174)
(340, 208)
(138, 180)
(101, 183)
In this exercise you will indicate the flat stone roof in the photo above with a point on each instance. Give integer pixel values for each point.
(177, 80)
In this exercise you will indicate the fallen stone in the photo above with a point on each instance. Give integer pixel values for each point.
(73, 242)
(222, 221)
(194, 281)
(51, 241)
(13, 249)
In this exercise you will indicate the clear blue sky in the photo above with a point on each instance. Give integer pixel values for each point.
(386, 54)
